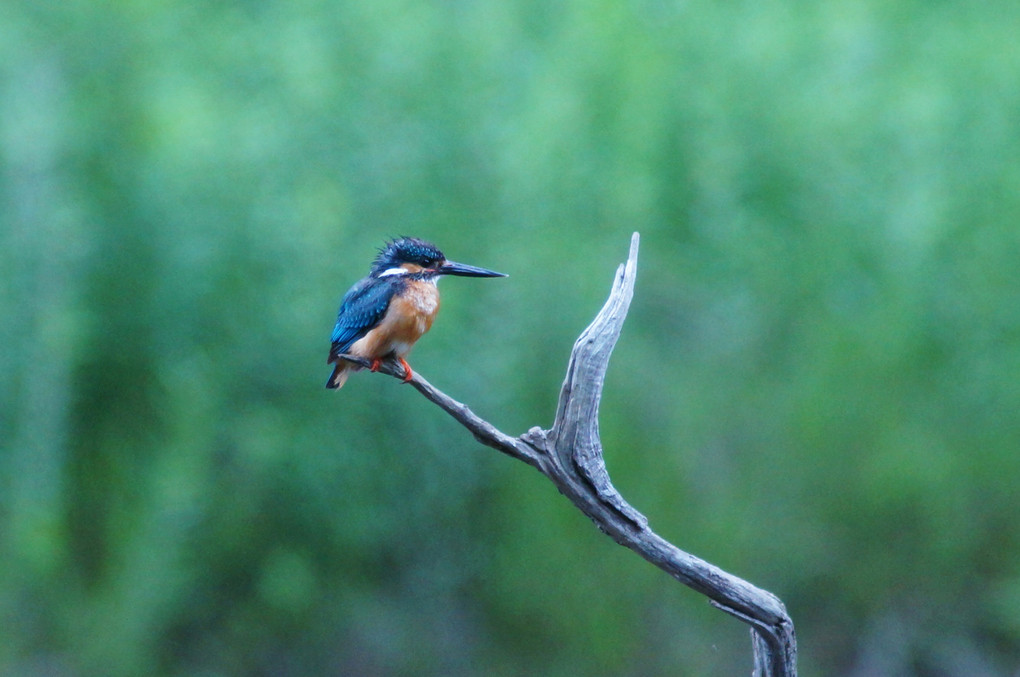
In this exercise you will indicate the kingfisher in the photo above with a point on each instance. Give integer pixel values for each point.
(383, 314)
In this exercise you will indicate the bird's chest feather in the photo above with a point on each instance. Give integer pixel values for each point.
(422, 298)
(411, 314)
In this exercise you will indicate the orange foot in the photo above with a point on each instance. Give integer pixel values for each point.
(407, 368)
(375, 365)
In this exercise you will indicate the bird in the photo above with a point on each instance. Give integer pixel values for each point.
(386, 312)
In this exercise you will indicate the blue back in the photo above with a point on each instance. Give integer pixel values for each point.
(362, 308)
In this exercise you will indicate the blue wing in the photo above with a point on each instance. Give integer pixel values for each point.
(361, 309)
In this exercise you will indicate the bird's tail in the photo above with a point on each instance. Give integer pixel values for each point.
(339, 375)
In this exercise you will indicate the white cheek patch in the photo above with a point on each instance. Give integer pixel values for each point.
(393, 271)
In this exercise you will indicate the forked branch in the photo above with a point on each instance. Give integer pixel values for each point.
(570, 455)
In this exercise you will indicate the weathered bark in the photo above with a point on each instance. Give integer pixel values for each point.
(570, 455)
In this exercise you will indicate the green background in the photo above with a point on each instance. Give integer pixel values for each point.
(817, 388)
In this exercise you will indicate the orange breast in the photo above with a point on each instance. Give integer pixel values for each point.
(409, 316)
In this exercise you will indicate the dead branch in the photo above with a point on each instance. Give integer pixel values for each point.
(570, 455)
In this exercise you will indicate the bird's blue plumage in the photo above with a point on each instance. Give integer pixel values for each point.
(361, 309)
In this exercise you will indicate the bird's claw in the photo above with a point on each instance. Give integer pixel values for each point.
(407, 370)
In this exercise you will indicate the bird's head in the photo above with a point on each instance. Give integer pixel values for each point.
(411, 256)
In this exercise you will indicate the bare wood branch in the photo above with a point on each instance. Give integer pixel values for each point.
(570, 455)
(484, 432)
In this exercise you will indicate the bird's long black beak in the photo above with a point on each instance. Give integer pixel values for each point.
(464, 270)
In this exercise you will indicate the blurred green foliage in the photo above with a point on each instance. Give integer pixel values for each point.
(818, 387)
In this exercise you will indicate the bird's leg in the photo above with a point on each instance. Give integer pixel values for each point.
(374, 367)
(407, 368)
